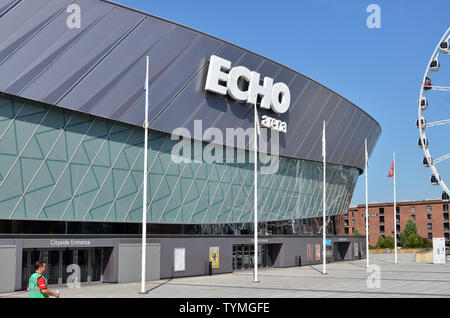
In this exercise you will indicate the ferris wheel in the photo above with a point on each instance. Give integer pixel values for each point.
(429, 100)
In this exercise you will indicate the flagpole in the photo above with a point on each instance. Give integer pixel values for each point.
(367, 205)
(395, 213)
(144, 193)
(255, 204)
(324, 271)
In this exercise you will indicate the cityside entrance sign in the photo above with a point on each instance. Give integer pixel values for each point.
(223, 80)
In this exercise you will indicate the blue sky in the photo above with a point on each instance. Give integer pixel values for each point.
(379, 70)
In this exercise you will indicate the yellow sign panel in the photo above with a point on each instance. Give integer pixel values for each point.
(214, 256)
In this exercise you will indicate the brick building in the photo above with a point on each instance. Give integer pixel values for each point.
(431, 217)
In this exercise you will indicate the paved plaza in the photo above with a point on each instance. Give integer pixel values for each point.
(344, 279)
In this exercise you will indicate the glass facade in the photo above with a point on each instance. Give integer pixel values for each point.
(61, 165)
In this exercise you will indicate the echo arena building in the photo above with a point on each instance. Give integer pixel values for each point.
(72, 105)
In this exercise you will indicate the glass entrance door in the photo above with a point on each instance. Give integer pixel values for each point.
(91, 262)
(53, 267)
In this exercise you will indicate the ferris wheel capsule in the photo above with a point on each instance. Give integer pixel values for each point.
(444, 46)
(427, 162)
(434, 180)
(421, 123)
(427, 85)
(445, 197)
(434, 65)
(424, 144)
(423, 103)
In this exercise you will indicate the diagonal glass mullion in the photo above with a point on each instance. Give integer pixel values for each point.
(305, 171)
(201, 193)
(251, 211)
(65, 168)
(25, 146)
(12, 120)
(173, 190)
(288, 197)
(226, 195)
(215, 192)
(25, 192)
(237, 196)
(87, 170)
(123, 184)
(268, 193)
(107, 175)
(142, 184)
(286, 192)
(188, 191)
(311, 190)
(283, 177)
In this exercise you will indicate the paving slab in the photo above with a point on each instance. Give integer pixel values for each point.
(347, 279)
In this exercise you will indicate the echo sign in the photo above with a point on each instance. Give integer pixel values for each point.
(223, 80)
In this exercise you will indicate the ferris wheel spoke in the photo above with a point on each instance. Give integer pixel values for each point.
(440, 88)
(440, 159)
(438, 123)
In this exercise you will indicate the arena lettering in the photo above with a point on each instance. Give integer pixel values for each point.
(275, 96)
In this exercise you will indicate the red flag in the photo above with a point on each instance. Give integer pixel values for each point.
(392, 171)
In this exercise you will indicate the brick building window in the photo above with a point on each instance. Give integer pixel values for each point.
(413, 217)
(445, 226)
(429, 208)
(447, 236)
(429, 226)
(430, 236)
(428, 216)
(445, 207)
(398, 218)
(345, 222)
(382, 229)
(346, 215)
(346, 230)
(413, 209)
(381, 218)
(445, 216)
(353, 222)
(353, 214)
(381, 211)
(397, 209)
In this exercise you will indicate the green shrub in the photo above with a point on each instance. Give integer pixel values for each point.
(385, 242)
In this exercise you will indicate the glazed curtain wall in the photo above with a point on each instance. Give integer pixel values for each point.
(57, 164)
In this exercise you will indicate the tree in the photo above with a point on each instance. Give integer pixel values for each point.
(410, 239)
(385, 242)
(410, 228)
(356, 233)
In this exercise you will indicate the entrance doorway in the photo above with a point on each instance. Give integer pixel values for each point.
(91, 261)
(243, 255)
(340, 250)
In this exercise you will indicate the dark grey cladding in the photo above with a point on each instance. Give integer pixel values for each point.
(100, 69)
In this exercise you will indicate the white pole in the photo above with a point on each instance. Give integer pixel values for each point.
(395, 213)
(324, 146)
(144, 193)
(367, 205)
(255, 204)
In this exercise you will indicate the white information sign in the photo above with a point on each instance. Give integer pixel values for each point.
(179, 259)
(438, 250)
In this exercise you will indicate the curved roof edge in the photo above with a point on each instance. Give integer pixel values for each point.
(239, 47)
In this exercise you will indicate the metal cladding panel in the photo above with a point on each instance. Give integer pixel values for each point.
(99, 69)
